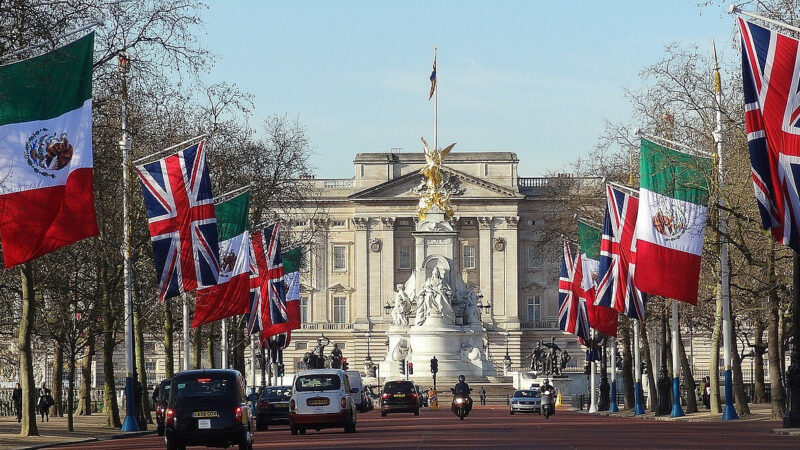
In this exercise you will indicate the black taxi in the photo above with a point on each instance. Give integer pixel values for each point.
(208, 407)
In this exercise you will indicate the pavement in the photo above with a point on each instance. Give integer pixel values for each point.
(53, 433)
(492, 427)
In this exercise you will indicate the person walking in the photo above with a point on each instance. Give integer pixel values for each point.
(16, 397)
(482, 394)
(707, 393)
(44, 403)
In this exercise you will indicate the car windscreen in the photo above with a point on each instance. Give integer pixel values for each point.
(317, 382)
(398, 387)
(163, 392)
(526, 394)
(276, 394)
(202, 386)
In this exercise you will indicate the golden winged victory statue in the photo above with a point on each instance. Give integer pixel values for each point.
(433, 194)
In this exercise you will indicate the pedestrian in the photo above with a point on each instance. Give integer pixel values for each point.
(16, 397)
(707, 393)
(44, 403)
(482, 394)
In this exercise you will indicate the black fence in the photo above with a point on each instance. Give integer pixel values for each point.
(7, 405)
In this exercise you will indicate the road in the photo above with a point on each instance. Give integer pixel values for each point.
(492, 426)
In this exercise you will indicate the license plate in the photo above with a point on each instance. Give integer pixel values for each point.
(399, 395)
(318, 401)
(203, 424)
(282, 405)
(197, 414)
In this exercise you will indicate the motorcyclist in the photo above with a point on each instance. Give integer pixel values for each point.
(546, 385)
(547, 392)
(462, 389)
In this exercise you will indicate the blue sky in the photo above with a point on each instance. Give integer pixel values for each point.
(536, 78)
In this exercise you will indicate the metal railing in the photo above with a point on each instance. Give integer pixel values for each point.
(327, 326)
(540, 324)
(337, 183)
(532, 182)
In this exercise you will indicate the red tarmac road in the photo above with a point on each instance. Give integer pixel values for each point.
(492, 426)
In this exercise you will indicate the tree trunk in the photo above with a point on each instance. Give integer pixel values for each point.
(58, 375)
(197, 348)
(652, 389)
(210, 343)
(627, 364)
(110, 407)
(71, 390)
(169, 330)
(141, 368)
(688, 378)
(85, 393)
(774, 353)
(759, 391)
(26, 382)
(716, 337)
(739, 394)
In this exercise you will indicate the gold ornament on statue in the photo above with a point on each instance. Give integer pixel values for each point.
(434, 194)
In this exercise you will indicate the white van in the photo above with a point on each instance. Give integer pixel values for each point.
(356, 383)
(321, 399)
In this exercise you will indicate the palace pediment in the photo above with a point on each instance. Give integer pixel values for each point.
(462, 185)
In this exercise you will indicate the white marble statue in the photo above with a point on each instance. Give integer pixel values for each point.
(402, 306)
(435, 297)
(472, 314)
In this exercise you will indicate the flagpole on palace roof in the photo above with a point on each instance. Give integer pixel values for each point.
(435, 104)
(130, 423)
(729, 412)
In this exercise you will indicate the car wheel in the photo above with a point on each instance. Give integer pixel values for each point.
(293, 429)
(350, 427)
(383, 413)
(511, 412)
(416, 412)
(246, 441)
(302, 430)
(160, 431)
(261, 426)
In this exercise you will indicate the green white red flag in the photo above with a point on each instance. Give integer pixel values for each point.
(46, 162)
(600, 318)
(231, 295)
(671, 222)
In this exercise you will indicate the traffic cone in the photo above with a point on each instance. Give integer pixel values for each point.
(558, 399)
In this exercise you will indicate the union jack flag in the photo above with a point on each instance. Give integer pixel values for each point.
(572, 315)
(254, 316)
(183, 224)
(772, 114)
(271, 297)
(615, 288)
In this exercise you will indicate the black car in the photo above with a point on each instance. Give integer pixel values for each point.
(160, 397)
(273, 406)
(208, 407)
(399, 396)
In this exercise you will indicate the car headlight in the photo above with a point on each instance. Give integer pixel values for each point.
(458, 400)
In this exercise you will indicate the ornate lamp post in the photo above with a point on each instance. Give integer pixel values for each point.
(368, 360)
(507, 358)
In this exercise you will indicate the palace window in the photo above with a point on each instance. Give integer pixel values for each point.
(337, 223)
(339, 258)
(301, 345)
(304, 309)
(300, 223)
(339, 309)
(404, 257)
(150, 366)
(469, 256)
(534, 308)
(534, 258)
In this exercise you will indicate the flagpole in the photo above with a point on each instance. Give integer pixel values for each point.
(612, 407)
(130, 423)
(224, 343)
(435, 105)
(729, 412)
(253, 368)
(172, 147)
(593, 396)
(185, 333)
(233, 192)
(733, 9)
(638, 409)
(650, 137)
(677, 411)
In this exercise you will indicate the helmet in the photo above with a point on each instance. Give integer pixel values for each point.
(461, 378)
(546, 381)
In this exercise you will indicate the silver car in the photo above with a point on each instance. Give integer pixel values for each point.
(526, 401)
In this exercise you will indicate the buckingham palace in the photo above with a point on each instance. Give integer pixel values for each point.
(365, 246)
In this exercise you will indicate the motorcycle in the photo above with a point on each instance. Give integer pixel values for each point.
(548, 404)
(462, 404)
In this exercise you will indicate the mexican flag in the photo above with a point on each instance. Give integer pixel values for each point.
(600, 318)
(46, 186)
(231, 296)
(671, 222)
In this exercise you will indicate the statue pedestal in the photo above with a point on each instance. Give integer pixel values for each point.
(390, 367)
(458, 349)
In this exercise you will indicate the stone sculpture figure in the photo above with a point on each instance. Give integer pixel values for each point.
(402, 307)
(336, 357)
(548, 359)
(472, 314)
(435, 297)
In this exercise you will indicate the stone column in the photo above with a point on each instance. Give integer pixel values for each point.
(511, 270)
(359, 265)
(486, 267)
(387, 268)
(318, 297)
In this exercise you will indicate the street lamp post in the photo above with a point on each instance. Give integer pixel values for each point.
(507, 357)
(368, 359)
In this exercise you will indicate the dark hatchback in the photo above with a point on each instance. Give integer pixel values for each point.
(273, 406)
(208, 407)
(399, 396)
(160, 401)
